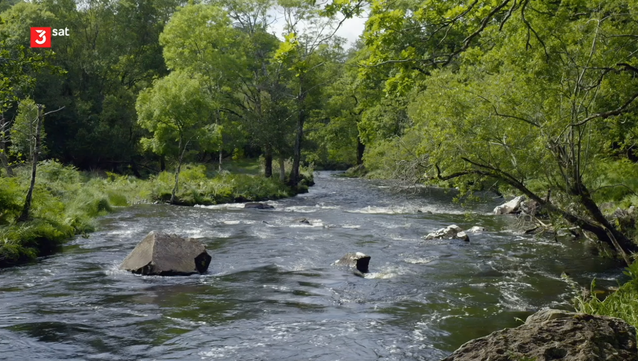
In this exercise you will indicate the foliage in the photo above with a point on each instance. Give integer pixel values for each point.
(23, 129)
(496, 89)
(622, 303)
(67, 201)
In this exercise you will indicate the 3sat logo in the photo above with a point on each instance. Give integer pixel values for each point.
(41, 37)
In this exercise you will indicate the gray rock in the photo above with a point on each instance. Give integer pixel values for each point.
(357, 260)
(556, 335)
(510, 207)
(476, 229)
(449, 232)
(167, 255)
(257, 205)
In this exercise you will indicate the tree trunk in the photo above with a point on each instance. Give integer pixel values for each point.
(360, 150)
(5, 161)
(600, 226)
(623, 241)
(219, 167)
(268, 162)
(24, 216)
(282, 169)
(134, 169)
(296, 161)
(162, 163)
(179, 168)
(4, 126)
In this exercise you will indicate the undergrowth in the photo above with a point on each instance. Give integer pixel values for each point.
(66, 202)
(623, 303)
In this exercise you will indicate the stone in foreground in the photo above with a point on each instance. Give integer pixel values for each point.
(556, 335)
(356, 260)
(167, 255)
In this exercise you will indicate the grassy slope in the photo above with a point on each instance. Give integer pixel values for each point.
(66, 201)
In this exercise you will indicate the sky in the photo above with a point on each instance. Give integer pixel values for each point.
(351, 29)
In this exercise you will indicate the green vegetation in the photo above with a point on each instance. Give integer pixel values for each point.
(520, 96)
(622, 303)
(67, 201)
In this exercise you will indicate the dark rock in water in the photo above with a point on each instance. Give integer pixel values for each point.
(356, 260)
(556, 335)
(303, 220)
(167, 255)
(257, 205)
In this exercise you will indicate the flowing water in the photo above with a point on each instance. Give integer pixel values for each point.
(272, 293)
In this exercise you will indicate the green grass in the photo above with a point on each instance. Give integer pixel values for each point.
(242, 166)
(622, 303)
(66, 202)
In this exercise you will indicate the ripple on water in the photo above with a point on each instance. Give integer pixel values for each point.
(272, 293)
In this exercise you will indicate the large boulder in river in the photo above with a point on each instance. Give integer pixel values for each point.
(357, 260)
(167, 255)
(512, 206)
(556, 335)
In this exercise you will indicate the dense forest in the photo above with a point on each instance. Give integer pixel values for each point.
(522, 96)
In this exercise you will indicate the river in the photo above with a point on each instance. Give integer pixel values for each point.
(272, 293)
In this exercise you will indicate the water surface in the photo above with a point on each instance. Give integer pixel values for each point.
(271, 292)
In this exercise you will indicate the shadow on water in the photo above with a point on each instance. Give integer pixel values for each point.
(272, 293)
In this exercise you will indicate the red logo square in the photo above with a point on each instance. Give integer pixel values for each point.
(40, 37)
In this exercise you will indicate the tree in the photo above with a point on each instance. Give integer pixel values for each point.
(18, 66)
(28, 132)
(111, 54)
(309, 45)
(530, 104)
(178, 113)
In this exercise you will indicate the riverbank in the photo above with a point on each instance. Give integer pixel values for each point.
(66, 202)
(620, 303)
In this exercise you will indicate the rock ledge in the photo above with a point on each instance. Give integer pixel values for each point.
(555, 335)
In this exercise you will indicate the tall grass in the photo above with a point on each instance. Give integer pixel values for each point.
(66, 202)
(623, 303)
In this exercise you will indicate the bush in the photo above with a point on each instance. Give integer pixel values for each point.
(622, 303)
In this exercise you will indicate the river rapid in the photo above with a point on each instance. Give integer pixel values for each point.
(272, 293)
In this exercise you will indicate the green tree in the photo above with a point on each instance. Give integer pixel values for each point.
(178, 113)
(18, 67)
(310, 44)
(23, 130)
(530, 104)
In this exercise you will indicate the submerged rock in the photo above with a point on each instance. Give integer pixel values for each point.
(556, 335)
(167, 255)
(510, 207)
(258, 205)
(358, 260)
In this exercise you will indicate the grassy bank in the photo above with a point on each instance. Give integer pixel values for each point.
(67, 202)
